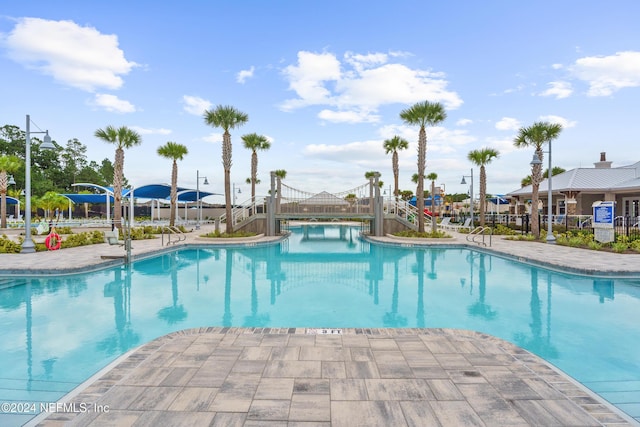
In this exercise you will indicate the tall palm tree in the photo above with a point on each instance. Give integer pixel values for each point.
(422, 114)
(280, 175)
(482, 157)
(226, 117)
(255, 142)
(122, 137)
(432, 177)
(536, 136)
(393, 145)
(173, 151)
(8, 165)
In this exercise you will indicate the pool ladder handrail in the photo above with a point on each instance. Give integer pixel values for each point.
(480, 231)
(173, 230)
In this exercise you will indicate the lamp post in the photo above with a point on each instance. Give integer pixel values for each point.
(28, 246)
(463, 182)
(536, 161)
(198, 201)
(443, 191)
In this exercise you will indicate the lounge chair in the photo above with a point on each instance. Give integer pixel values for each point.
(455, 227)
(111, 237)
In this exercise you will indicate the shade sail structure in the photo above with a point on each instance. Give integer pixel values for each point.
(152, 191)
(12, 201)
(88, 198)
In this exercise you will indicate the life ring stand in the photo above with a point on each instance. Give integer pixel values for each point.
(53, 240)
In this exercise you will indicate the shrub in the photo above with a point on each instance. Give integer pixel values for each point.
(503, 230)
(217, 234)
(619, 247)
(8, 246)
(430, 235)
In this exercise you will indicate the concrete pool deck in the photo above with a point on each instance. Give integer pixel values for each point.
(359, 377)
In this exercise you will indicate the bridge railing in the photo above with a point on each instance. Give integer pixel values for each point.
(405, 210)
(246, 209)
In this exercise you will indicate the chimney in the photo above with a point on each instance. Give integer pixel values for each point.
(603, 163)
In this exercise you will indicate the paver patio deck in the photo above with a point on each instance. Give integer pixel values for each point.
(360, 377)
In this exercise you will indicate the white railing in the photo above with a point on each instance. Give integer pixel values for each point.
(245, 210)
(406, 211)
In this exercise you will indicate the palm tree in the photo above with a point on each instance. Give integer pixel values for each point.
(174, 151)
(481, 158)
(226, 117)
(255, 142)
(536, 136)
(392, 146)
(432, 177)
(122, 137)
(8, 164)
(280, 175)
(422, 114)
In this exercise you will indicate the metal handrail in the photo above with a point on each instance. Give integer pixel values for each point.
(172, 230)
(480, 231)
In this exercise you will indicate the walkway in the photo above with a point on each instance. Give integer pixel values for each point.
(358, 377)
(379, 377)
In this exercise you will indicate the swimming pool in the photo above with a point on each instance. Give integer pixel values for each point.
(56, 332)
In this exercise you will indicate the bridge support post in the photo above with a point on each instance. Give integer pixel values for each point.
(378, 211)
(271, 207)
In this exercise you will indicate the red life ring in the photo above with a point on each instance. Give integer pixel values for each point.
(53, 241)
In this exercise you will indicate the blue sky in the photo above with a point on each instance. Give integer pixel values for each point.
(326, 81)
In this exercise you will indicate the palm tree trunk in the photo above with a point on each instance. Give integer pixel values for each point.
(254, 174)
(3, 197)
(396, 172)
(536, 177)
(422, 159)
(226, 163)
(483, 193)
(174, 194)
(117, 187)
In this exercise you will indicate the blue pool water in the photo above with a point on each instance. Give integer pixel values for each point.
(56, 332)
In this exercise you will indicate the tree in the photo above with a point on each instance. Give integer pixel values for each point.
(432, 177)
(280, 175)
(255, 142)
(8, 165)
(173, 151)
(226, 117)
(393, 145)
(122, 137)
(422, 114)
(536, 136)
(556, 170)
(481, 158)
(74, 159)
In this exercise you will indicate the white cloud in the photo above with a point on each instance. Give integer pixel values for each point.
(558, 89)
(113, 103)
(243, 75)
(508, 123)
(76, 56)
(348, 116)
(503, 145)
(151, 131)
(464, 122)
(362, 153)
(566, 123)
(215, 138)
(360, 85)
(608, 74)
(195, 105)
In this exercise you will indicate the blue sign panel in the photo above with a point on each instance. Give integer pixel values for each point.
(603, 213)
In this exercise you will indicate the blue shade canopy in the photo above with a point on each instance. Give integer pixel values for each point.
(12, 201)
(88, 198)
(152, 191)
(499, 200)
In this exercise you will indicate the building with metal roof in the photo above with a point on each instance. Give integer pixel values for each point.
(575, 190)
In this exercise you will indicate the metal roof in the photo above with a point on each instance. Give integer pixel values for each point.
(590, 180)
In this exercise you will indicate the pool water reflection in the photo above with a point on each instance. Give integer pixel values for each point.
(57, 332)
